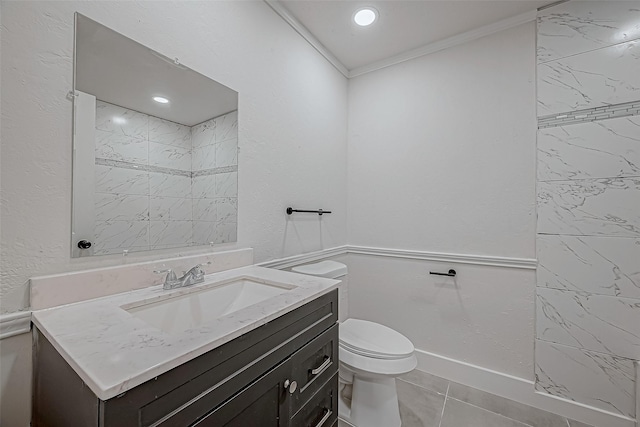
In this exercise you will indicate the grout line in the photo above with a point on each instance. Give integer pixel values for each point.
(494, 413)
(444, 405)
(567, 421)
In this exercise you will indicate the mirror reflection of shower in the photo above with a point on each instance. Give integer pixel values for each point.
(155, 149)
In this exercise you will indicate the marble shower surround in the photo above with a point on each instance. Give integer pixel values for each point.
(146, 171)
(588, 243)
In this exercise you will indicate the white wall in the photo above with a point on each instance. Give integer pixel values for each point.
(442, 150)
(292, 133)
(483, 317)
(442, 159)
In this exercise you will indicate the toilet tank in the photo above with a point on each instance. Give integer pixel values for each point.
(331, 270)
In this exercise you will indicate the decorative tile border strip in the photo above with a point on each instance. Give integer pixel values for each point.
(590, 115)
(168, 171)
(215, 171)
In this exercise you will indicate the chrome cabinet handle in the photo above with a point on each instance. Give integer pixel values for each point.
(325, 418)
(322, 367)
(291, 385)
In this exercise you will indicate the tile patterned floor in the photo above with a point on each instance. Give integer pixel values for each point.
(430, 401)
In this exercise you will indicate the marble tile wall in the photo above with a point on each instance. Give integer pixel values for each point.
(161, 184)
(215, 180)
(588, 243)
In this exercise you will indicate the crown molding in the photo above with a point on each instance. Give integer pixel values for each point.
(459, 39)
(310, 38)
(427, 49)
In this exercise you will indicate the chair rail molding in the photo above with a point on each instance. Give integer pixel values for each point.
(17, 323)
(485, 260)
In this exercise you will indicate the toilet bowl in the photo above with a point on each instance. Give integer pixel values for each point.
(371, 357)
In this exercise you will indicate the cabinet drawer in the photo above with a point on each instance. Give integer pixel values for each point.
(322, 409)
(313, 365)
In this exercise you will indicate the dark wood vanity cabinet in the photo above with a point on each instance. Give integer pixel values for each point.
(282, 374)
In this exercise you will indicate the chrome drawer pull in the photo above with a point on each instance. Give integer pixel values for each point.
(322, 367)
(325, 418)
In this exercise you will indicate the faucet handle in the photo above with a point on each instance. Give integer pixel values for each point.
(198, 267)
(171, 275)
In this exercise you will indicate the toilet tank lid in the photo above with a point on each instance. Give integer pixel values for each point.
(330, 269)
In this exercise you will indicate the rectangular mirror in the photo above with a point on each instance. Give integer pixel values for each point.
(155, 149)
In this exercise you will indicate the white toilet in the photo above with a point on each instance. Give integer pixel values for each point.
(371, 357)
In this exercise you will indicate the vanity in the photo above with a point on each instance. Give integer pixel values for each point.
(256, 347)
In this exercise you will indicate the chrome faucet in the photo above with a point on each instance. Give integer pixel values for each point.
(193, 276)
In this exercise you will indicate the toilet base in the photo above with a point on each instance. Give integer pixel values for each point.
(374, 403)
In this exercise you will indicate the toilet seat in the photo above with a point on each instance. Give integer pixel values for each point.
(369, 347)
(374, 340)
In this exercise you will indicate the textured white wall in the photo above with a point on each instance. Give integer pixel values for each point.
(442, 159)
(292, 125)
(442, 150)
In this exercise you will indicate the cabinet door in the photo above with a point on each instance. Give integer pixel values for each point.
(261, 404)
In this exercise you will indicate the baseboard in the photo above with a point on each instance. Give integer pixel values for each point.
(515, 388)
(15, 324)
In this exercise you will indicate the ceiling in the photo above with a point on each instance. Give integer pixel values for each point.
(120, 71)
(401, 25)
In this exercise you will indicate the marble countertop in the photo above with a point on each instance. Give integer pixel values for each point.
(114, 351)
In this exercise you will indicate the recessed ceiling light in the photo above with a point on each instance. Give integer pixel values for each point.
(365, 16)
(161, 99)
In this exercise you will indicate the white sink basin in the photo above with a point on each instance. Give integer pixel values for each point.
(203, 305)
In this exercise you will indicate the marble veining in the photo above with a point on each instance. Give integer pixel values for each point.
(170, 208)
(226, 209)
(169, 156)
(166, 132)
(167, 185)
(226, 126)
(113, 351)
(605, 207)
(204, 187)
(123, 121)
(204, 157)
(121, 234)
(596, 379)
(115, 146)
(577, 27)
(227, 184)
(603, 149)
(204, 210)
(164, 233)
(598, 265)
(203, 134)
(109, 179)
(593, 322)
(121, 207)
(601, 77)
(227, 153)
(144, 160)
